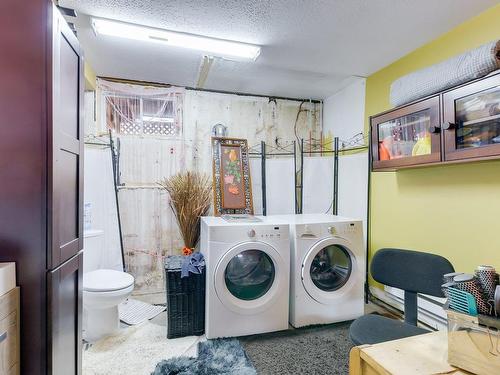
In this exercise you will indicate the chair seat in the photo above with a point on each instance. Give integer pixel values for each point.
(372, 329)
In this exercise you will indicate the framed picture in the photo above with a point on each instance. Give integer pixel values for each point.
(231, 177)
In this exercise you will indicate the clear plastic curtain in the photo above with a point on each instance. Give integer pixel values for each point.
(146, 123)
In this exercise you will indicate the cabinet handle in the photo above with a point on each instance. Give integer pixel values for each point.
(434, 129)
(3, 337)
(449, 126)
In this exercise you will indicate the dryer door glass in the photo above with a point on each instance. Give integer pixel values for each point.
(331, 268)
(249, 275)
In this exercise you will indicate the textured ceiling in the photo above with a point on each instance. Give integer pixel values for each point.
(310, 48)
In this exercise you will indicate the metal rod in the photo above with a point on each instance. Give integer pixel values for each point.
(340, 150)
(295, 174)
(263, 174)
(367, 287)
(336, 177)
(115, 172)
(97, 144)
(118, 158)
(301, 203)
(272, 154)
(159, 84)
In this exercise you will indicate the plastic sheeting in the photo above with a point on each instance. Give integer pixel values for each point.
(353, 186)
(256, 176)
(280, 186)
(99, 191)
(317, 185)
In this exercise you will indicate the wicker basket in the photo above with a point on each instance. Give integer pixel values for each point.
(185, 300)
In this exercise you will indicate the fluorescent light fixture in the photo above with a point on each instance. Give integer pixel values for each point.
(157, 119)
(215, 47)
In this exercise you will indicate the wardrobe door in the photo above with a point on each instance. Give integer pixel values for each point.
(65, 317)
(66, 166)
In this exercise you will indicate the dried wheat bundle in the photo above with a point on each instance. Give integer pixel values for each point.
(190, 198)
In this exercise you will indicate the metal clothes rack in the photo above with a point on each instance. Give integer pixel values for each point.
(274, 151)
(264, 151)
(337, 150)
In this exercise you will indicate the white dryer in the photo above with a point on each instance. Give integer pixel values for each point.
(327, 273)
(247, 268)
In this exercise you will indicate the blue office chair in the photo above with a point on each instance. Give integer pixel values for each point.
(414, 272)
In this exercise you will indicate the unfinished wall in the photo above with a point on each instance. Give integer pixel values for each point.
(148, 225)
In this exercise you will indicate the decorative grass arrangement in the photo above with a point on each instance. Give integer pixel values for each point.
(190, 198)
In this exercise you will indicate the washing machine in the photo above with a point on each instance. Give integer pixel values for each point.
(247, 268)
(327, 273)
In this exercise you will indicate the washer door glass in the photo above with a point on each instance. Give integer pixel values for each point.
(331, 268)
(249, 275)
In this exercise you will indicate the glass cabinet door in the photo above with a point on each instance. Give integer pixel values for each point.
(407, 136)
(472, 120)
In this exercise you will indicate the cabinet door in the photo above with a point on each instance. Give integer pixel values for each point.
(66, 171)
(407, 136)
(65, 317)
(472, 120)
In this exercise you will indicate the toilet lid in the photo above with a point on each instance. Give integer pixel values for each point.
(106, 280)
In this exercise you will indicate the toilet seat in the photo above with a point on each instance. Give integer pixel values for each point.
(106, 281)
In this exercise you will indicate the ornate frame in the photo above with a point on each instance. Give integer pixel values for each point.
(242, 201)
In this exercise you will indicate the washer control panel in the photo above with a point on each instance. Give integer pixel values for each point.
(240, 233)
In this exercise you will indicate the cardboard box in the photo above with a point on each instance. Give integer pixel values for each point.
(7, 277)
(473, 346)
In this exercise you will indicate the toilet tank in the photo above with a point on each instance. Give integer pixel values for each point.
(93, 247)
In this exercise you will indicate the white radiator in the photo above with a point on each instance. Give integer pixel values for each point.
(430, 309)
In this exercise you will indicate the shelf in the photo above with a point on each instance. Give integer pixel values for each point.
(392, 123)
(481, 120)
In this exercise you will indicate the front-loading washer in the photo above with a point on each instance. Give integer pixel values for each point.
(327, 269)
(247, 270)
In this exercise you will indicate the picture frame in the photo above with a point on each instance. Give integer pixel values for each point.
(232, 184)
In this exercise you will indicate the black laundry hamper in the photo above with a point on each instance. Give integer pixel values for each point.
(185, 300)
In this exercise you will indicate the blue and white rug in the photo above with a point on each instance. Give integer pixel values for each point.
(215, 357)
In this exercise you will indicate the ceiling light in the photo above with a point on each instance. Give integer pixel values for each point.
(216, 47)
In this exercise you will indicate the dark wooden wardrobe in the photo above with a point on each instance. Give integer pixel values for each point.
(41, 180)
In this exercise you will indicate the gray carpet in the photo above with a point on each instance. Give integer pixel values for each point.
(312, 350)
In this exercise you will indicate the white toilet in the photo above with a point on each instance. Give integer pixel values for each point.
(103, 290)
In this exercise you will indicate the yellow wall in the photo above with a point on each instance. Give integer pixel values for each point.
(90, 77)
(451, 210)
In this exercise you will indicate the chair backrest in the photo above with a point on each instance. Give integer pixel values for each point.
(413, 271)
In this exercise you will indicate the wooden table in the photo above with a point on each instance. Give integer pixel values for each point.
(423, 354)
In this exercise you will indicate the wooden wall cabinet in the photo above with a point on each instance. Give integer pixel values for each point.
(471, 126)
(407, 136)
(41, 156)
(458, 125)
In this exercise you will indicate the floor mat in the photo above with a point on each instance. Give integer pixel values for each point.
(135, 312)
(312, 350)
(135, 350)
(215, 357)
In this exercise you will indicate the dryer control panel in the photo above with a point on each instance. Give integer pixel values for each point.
(329, 229)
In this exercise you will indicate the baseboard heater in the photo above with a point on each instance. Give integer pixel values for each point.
(430, 309)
